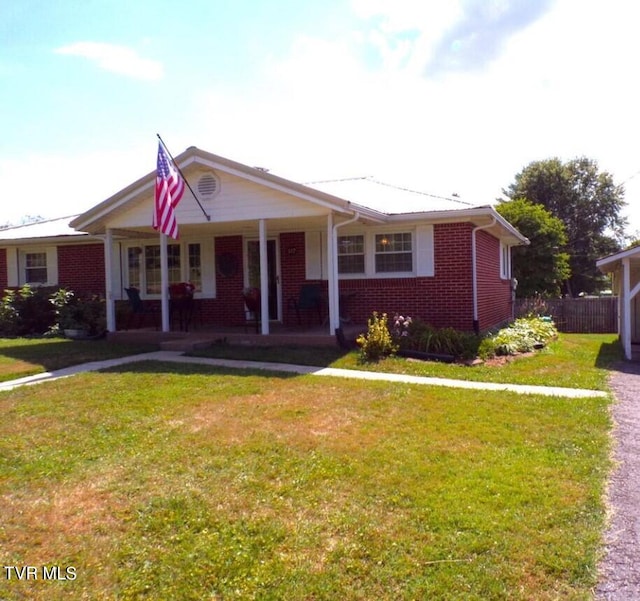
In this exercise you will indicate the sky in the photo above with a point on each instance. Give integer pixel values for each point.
(443, 96)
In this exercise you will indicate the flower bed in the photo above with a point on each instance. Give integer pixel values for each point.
(417, 339)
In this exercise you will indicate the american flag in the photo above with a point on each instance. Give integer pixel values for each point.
(169, 190)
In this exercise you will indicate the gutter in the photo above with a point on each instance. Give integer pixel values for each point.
(474, 272)
(334, 299)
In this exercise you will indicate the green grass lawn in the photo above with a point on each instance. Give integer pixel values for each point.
(574, 360)
(165, 481)
(21, 357)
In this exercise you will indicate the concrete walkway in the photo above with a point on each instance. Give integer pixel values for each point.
(178, 357)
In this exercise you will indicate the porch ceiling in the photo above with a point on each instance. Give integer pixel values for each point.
(249, 227)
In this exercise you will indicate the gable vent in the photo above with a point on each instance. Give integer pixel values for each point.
(208, 185)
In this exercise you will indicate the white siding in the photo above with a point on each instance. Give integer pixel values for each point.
(12, 267)
(425, 264)
(16, 264)
(207, 258)
(117, 287)
(238, 200)
(316, 255)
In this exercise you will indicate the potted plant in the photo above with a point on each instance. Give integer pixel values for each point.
(79, 317)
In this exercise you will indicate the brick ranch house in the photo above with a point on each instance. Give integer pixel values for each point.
(368, 246)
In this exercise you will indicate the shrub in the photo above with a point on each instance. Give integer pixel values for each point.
(422, 337)
(377, 343)
(78, 313)
(26, 312)
(522, 336)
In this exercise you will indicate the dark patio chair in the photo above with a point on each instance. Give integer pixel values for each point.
(182, 304)
(310, 299)
(251, 297)
(139, 309)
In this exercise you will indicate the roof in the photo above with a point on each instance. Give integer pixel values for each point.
(371, 200)
(87, 220)
(610, 263)
(50, 228)
(387, 198)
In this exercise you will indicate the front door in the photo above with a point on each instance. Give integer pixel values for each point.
(253, 273)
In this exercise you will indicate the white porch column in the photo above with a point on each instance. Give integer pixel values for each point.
(332, 276)
(164, 282)
(626, 308)
(264, 279)
(108, 266)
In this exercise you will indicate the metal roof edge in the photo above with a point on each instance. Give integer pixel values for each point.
(459, 215)
(618, 256)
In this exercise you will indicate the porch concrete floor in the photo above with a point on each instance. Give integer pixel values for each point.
(202, 337)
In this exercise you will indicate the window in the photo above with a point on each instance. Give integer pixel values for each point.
(133, 263)
(152, 267)
(35, 267)
(505, 261)
(393, 253)
(144, 267)
(195, 266)
(350, 254)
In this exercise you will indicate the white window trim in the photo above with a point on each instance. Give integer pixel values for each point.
(505, 261)
(16, 266)
(360, 274)
(372, 253)
(207, 265)
(422, 248)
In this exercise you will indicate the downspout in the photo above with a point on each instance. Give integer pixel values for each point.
(335, 323)
(474, 272)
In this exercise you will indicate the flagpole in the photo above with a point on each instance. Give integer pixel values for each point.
(184, 178)
(164, 282)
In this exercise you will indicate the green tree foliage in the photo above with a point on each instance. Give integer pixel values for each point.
(588, 203)
(541, 267)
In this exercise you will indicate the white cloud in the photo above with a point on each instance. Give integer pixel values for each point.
(558, 87)
(563, 86)
(117, 59)
(60, 185)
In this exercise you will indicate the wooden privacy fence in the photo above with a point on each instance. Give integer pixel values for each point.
(582, 315)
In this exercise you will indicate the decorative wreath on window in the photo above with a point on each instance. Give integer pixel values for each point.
(227, 265)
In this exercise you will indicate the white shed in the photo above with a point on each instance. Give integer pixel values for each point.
(625, 269)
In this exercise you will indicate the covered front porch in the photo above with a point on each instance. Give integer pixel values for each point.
(249, 230)
(202, 337)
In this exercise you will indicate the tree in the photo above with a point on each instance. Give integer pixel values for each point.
(588, 203)
(541, 267)
(24, 220)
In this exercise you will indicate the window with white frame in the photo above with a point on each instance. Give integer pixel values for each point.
(505, 261)
(195, 266)
(35, 267)
(374, 254)
(393, 253)
(144, 266)
(351, 254)
(133, 266)
(152, 267)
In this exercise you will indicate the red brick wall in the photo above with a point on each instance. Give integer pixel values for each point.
(292, 271)
(81, 268)
(227, 309)
(494, 293)
(445, 300)
(3, 269)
